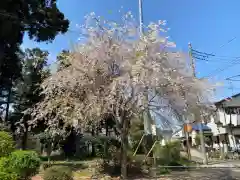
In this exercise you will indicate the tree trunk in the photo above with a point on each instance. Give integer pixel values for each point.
(41, 149)
(49, 151)
(24, 136)
(8, 103)
(77, 143)
(124, 147)
(6, 118)
(24, 140)
(93, 153)
(106, 141)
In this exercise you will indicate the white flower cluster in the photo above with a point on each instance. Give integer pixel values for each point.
(111, 71)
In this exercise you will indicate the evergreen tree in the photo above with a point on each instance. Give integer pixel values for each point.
(27, 91)
(40, 19)
(63, 60)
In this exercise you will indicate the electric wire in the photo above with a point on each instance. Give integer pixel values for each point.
(203, 56)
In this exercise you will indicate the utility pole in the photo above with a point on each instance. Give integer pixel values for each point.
(192, 59)
(140, 17)
(197, 114)
(146, 114)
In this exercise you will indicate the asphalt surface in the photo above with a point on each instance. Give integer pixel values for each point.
(224, 170)
(205, 174)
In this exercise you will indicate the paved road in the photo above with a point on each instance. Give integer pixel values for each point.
(225, 170)
(228, 170)
(205, 174)
(201, 174)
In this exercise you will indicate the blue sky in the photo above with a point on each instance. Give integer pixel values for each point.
(208, 25)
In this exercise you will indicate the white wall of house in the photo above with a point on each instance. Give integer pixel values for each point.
(219, 125)
(225, 119)
(216, 129)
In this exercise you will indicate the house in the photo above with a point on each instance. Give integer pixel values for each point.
(195, 128)
(225, 124)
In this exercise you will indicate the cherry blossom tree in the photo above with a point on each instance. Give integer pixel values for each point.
(112, 72)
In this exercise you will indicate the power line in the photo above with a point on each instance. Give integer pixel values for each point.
(210, 57)
(217, 60)
(235, 60)
(217, 71)
(232, 78)
(203, 56)
(229, 41)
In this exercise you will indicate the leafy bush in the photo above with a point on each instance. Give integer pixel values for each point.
(207, 140)
(4, 164)
(58, 173)
(23, 163)
(169, 154)
(5, 171)
(6, 143)
(8, 176)
(197, 140)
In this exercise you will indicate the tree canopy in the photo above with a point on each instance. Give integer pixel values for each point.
(34, 71)
(113, 62)
(40, 19)
(27, 88)
(63, 60)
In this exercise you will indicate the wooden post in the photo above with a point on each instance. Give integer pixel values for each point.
(135, 152)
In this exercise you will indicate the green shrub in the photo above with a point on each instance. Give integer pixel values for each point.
(6, 172)
(4, 164)
(169, 154)
(8, 176)
(6, 143)
(24, 163)
(207, 140)
(58, 173)
(197, 140)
